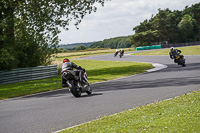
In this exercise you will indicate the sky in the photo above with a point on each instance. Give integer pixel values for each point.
(117, 18)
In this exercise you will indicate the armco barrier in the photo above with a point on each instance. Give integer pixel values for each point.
(180, 44)
(29, 73)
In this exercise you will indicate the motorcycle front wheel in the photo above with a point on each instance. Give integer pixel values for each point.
(89, 91)
(182, 61)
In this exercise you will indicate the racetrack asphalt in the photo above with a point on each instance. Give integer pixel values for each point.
(56, 110)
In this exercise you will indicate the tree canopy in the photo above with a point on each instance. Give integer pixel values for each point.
(29, 29)
(80, 47)
(171, 26)
(117, 42)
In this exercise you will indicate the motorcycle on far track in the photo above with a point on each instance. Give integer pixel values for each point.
(121, 53)
(175, 54)
(180, 60)
(116, 53)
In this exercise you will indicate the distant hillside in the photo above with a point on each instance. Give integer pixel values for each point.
(117, 42)
(73, 45)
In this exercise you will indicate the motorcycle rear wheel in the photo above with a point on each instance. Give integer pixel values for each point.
(74, 89)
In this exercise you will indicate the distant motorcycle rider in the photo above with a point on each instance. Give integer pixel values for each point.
(121, 51)
(174, 53)
(67, 67)
(116, 52)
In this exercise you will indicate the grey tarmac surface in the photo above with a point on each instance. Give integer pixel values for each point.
(53, 111)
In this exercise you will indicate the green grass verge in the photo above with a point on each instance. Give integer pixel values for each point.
(180, 114)
(97, 71)
(191, 50)
(57, 58)
(107, 70)
(60, 57)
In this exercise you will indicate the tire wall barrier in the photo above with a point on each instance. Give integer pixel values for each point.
(167, 45)
(29, 73)
(148, 47)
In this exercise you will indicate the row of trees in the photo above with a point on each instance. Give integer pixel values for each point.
(171, 26)
(117, 42)
(74, 45)
(29, 29)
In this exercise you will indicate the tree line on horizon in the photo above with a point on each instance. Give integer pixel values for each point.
(169, 26)
(112, 43)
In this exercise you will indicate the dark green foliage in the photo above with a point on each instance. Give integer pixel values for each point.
(117, 42)
(145, 38)
(29, 29)
(188, 28)
(80, 47)
(171, 26)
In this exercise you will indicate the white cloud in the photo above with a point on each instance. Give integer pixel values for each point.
(117, 18)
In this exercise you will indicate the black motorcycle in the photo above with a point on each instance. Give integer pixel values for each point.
(121, 54)
(180, 60)
(75, 87)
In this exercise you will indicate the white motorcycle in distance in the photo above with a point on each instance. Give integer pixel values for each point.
(116, 53)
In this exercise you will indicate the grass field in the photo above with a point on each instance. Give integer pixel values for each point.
(176, 115)
(97, 71)
(74, 55)
(191, 50)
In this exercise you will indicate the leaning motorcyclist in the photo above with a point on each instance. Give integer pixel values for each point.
(116, 51)
(68, 66)
(173, 53)
(121, 51)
